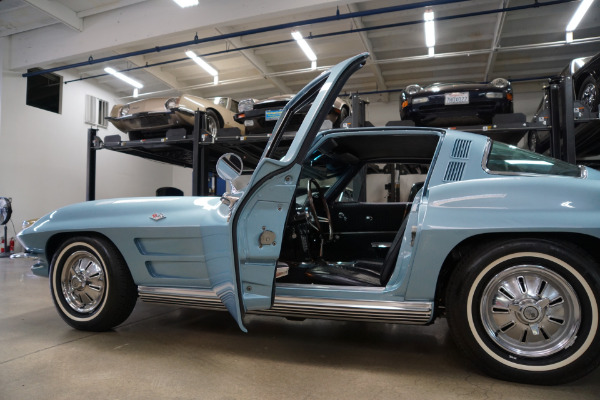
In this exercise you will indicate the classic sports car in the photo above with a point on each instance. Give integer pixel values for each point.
(150, 118)
(388, 224)
(456, 104)
(260, 116)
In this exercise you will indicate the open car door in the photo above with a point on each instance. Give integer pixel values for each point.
(258, 218)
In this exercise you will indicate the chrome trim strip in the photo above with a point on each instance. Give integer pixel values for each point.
(406, 312)
(197, 298)
(357, 310)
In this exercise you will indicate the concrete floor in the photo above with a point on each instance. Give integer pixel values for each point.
(173, 353)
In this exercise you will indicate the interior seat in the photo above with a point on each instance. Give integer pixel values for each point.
(360, 273)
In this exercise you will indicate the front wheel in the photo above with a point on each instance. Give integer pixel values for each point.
(91, 285)
(527, 310)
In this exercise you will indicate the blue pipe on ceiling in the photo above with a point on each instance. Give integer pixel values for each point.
(324, 35)
(336, 17)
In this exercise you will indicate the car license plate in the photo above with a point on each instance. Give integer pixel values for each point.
(456, 98)
(272, 115)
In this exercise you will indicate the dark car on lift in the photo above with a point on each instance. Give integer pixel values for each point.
(260, 116)
(456, 104)
(585, 75)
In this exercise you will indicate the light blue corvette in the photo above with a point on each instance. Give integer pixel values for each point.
(393, 225)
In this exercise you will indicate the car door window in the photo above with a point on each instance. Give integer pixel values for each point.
(384, 183)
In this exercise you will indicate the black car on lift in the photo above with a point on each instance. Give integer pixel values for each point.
(456, 104)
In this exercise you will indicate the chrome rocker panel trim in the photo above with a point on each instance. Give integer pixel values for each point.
(401, 312)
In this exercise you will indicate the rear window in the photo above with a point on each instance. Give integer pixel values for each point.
(507, 159)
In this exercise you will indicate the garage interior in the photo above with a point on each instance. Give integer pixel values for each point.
(169, 352)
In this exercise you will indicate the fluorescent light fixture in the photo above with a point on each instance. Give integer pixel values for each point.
(202, 63)
(304, 46)
(186, 3)
(569, 37)
(579, 13)
(429, 28)
(124, 78)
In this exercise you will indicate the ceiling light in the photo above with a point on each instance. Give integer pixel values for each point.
(429, 28)
(305, 48)
(204, 65)
(124, 78)
(579, 13)
(186, 3)
(429, 31)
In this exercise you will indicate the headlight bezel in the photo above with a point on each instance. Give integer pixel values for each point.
(500, 83)
(124, 111)
(172, 103)
(245, 105)
(413, 89)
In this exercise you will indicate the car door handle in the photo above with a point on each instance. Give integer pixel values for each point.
(342, 216)
(369, 218)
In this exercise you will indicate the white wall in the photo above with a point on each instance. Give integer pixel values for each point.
(43, 154)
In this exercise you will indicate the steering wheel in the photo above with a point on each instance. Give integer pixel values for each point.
(313, 211)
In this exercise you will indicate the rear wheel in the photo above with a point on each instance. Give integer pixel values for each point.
(527, 310)
(91, 285)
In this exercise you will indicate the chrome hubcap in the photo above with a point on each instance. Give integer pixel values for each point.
(531, 311)
(588, 97)
(83, 282)
(212, 126)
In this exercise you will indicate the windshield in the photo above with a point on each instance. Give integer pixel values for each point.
(506, 159)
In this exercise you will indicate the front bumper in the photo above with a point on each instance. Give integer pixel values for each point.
(40, 266)
(153, 121)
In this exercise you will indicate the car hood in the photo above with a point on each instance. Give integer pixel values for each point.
(280, 100)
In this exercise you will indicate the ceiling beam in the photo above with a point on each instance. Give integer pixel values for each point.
(157, 72)
(258, 63)
(58, 11)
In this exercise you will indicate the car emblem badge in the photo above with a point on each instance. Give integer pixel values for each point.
(157, 216)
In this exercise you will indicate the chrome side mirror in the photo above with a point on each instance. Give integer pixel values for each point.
(229, 168)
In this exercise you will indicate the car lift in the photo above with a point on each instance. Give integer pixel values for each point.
(567, 120)
(197, 149)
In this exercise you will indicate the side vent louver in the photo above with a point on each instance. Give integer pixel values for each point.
(461, 149)
(454, 171)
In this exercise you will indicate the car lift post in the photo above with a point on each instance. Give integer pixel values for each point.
(200, 156)
(562, 120)
(90, 187)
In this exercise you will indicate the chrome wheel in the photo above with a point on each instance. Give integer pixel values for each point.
(531, 311)
(212, 123)
(83, 282)
(589, 95)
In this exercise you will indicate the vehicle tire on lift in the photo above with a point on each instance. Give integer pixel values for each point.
(213, 122)
(589, 93)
